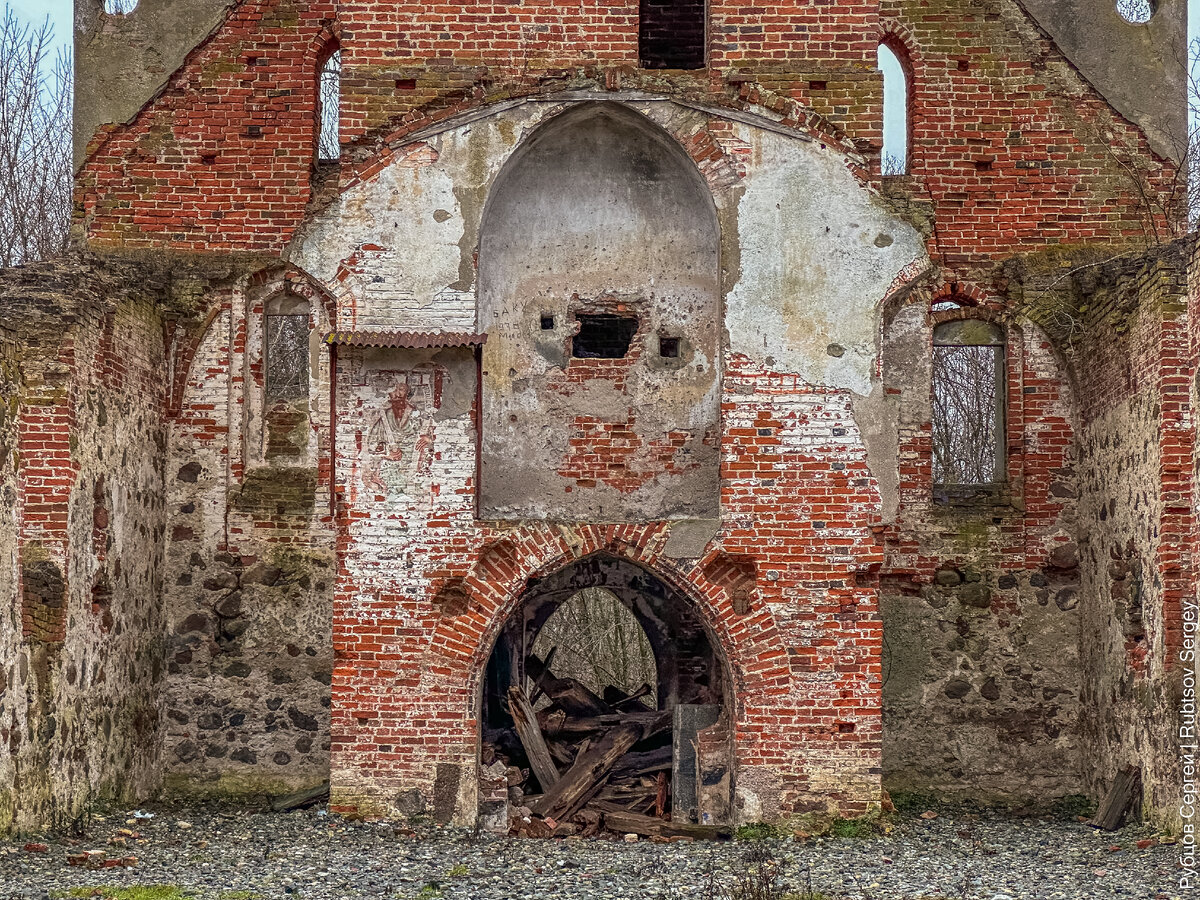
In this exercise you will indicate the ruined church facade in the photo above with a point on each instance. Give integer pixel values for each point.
(390, 328)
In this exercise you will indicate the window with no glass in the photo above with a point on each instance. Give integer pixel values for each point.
(286, 357)
(968, 403)
(603, 336)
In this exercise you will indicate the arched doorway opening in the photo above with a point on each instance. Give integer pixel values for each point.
(605, 697)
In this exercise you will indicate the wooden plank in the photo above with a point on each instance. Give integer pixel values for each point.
(1121, 798)
(301, 798)
(591, 768)
(573, 696)
(561, 725)
(625, 822)
(531, 739)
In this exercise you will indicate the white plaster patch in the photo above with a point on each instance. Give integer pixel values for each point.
(812, 273)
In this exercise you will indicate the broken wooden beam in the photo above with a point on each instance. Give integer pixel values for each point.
(530, 734)
(571, 695)
(623, 821)
(300, 799)
(1124, 795)
(590, 770)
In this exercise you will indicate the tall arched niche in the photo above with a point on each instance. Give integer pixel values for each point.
(599, 291)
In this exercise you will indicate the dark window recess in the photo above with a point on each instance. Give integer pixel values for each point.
(287, 357)
(671, 34)
(547, 322)
(668, 347)
(603, 336)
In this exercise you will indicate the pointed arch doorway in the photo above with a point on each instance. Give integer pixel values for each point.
(605, 675)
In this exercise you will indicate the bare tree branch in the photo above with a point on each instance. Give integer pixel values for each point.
(36, 94)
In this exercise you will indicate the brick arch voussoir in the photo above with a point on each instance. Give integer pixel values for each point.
(750, 644)
(720, 165)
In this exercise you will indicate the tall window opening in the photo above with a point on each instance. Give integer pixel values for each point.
(329, 90)
(671, 34)
(895, 112)
(968, 403)
(286, 351)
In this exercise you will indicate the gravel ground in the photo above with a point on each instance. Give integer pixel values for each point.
(223, 854)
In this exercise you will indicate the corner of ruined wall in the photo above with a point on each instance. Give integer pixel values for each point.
(122, 61)
(81, 443)
(1136, 472)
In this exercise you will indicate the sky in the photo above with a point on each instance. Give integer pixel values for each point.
(60, 12)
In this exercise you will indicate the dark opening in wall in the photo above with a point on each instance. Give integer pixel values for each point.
(668, 347)
(671, 34)
(547, 322)
(603, 336)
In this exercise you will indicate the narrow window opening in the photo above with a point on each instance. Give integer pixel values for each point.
(119, 7)
(968, 407)
(328, 99)
(547, 322)
(671, 34)
(895, 112)
(668, 347)
(603, 336)
(286, 357)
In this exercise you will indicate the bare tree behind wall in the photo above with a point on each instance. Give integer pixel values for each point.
(600, 643)
(35, 142)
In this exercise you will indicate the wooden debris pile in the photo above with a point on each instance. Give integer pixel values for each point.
(585, 764)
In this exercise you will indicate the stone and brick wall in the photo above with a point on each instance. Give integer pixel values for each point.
(325, 603)
(981, 691)
(249, 562)
(84, 532)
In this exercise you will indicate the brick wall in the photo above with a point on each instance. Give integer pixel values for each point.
(1139, 548)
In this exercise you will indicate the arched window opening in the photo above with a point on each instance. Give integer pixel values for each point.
(328, 100)
(1136, 12)
(968, 403)
(596, 640)
(671, 34)
(119, 7)
(895, 112)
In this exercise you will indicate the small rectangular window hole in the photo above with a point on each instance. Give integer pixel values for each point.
(406, 84)
(818, 85)
(668, 347)
(547, 322)
(603, 336)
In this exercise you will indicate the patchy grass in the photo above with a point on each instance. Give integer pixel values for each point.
(240, 895)
(760, 831)
(1073, 806)
(913, 801)
(458, 871)
(136, 892)
(852, 828)
(431, 891)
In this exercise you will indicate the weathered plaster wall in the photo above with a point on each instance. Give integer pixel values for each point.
(981, 595)
(1140, 69)
(599, 212)
(249, 566)
(82, 637)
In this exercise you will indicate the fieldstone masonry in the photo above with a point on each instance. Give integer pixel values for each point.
(207, 589)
